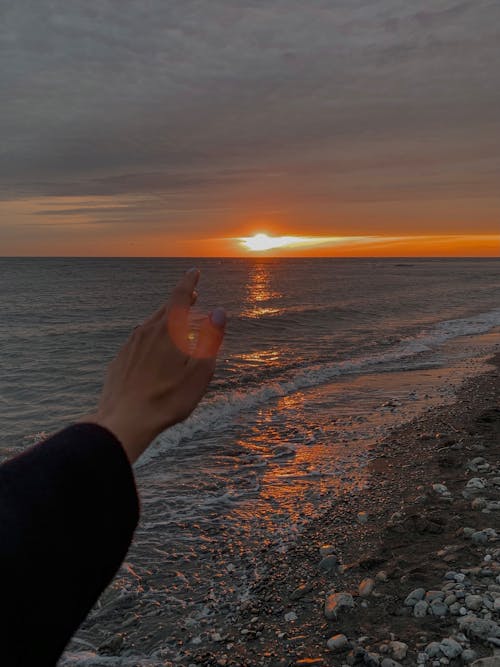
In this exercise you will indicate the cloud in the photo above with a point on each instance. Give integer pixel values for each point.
(201, 105)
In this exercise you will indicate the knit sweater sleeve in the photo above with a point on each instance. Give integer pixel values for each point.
(68, 510)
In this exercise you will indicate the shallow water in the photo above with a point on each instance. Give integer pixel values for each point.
(321, 358)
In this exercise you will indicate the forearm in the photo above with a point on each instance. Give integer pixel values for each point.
(68, 509)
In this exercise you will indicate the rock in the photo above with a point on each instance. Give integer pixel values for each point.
(420, 609)
(441, 489)
(398, 650)
(381, 576)
(479, 537)
(362, 517)
(478, 627)
(413, 597)
(478, 464)
(433, 650)
(434, 595)
(337, 643)
(450, 647)
(474, 486)
(300, 591)
(371, 659)
(326, 550)
(366, 587)
(329, 563)
(290, 616)
(468, 656)
(492, 661)
(493, 506)
(438, 608)
(479, 503)
(495, 641)
(337, 601)
(474, 602)
(389, 662)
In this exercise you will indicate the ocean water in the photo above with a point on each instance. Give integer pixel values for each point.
(321, 357)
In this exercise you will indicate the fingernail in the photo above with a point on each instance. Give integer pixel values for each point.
(218, 317)
(192, 270)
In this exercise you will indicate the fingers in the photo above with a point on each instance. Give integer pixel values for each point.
(210, 335)
(183, 297)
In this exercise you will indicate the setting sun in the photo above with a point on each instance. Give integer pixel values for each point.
(265, 242)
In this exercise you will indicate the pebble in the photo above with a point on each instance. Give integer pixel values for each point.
(433, 649)
(420, 609)
(492, 661)
(450, 647)
(290, 616)
(362, 517)
(366, 587)
(474, 602)
(478, 627)
(468, 655)
(398, 650)
(337, 601)
(329, 563)
(438, 608)
(326, 550)
(389, 662)
(337, 643)
(414, 597)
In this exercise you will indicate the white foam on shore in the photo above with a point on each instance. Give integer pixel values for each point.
(214, 414)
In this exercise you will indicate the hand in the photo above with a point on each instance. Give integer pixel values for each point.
(156, 380)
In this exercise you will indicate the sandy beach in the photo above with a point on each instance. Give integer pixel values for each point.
(415, 558)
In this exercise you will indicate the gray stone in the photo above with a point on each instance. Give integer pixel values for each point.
(389, 662)
(468, 656)
(413, 597)
(335, 602)
(326, 550)
(474, 602)
(433, 649)
(434, 595)
(420, 609)
(492, 661)
(337, 643)
(329, 563)
(438, 608)
(478, 627)
(450, 647)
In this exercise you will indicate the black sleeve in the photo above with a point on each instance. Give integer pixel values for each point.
(68, 510)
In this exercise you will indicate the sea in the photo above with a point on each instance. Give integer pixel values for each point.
(321, 359)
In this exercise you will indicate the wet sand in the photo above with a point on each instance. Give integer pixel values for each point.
(413, 536)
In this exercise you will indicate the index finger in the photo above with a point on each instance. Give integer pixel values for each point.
(178, 309)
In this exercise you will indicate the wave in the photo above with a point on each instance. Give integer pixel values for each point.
(215, 413)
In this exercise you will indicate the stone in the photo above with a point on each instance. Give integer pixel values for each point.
(433, 650)
(366, 587)
(371, 660)
(434, 595)
(468, 656)
(479, 503)
(478, 627)
(474, 602)
(398, 650)
(300, 591)
(420, 609)
(450, 647)
(413, 597)
(389, 662)
(329, 563)
(335, 602)
(337, 643)
(492, 661)
(362, 517)
(326, 550)
(290, 616)
(441, 489)
(438, 608)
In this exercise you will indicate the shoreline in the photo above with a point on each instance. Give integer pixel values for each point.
(412, 537)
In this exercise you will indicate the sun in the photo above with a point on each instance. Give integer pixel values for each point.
(259, 242)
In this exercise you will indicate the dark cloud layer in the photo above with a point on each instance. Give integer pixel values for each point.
(335, 100)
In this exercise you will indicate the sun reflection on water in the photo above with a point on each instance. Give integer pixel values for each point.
(261, 297)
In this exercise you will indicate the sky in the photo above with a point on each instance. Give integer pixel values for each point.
(183, 127)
